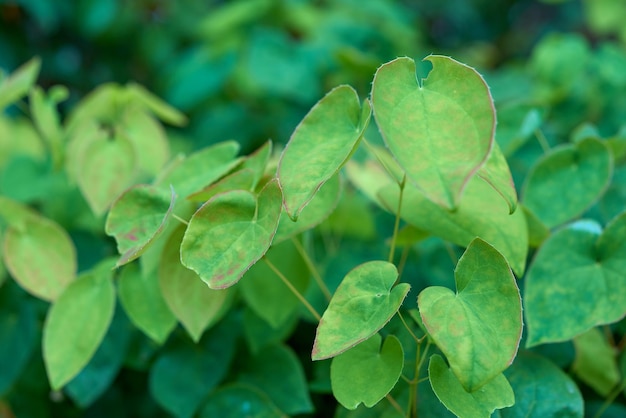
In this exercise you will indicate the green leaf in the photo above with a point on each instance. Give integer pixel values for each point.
(564, 183)
(479, 327)
(107, 166)
(264, 291)
(19, 82)
(541, 390)
(351, 372)
(18, 334)
(438, 156)
(277, 371)
(239, 400)
(148, 139)
(239, 180)
(320, 146)
(47, 120)
(77, 322)
(39, 254)
(141, 297)
(362, 304)
(482, 212)
(595, 362)
(201, 168)
(195, 305)
(537, 231)
(157, 106)
(496, 394)
(496, 172)
(575, 281)
(185, 373)
(259, 333)
(315, 212)
(99, 373)
(230, 233)
(137, 218)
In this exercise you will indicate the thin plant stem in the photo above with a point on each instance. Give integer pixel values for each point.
(293, 289)
(396, 225)
(417, 340)
(609, 400)
(309, 263)
(394, 403)
(179, 219)
(403, 257)
(450, 251)
(541, 138)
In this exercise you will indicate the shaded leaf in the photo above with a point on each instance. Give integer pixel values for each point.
(494, 395)
(230, 233)
(479, 327)
(76, 324)
(351, 372)
(320, 146)
(595, 362)
(575, 281)
(438, 156)
(238, 400)
(363, 303)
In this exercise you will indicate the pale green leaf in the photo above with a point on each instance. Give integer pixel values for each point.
(496, 172)
(596, 362)
(19, 82)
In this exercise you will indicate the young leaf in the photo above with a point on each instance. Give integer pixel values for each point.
(541, 390)
(596, 362)
(19, 82)
(479, 327)
(266, 294)
(575, 281)
(237, 400)
(441, 131)
(482, 212)
(277, 371)
(363, 303)
(105, 169)
(320, 146)
(230, 233)
(195, 305)
(143, 302)
(157, 106)
(76, 324)
(564, 183)
(351, 372)
(480, 403)
(201, 169)
(39, 254)
(148, 139)
(137, 218)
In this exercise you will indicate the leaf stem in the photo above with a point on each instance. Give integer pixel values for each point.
(396, 225)
(417, 340)
(394, 403)
(541, 138)
(312, 268)
(609, 400)
(282, 277)
(179, 219)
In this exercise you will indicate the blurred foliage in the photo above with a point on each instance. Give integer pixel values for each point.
(249, 70)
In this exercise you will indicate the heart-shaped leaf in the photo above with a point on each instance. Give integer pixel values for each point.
(541, 389)
(351, 372)
(320, 145)
(230, 233)
(77, 322)
(568, 180)
(105, 169)
(479, 327)
(480, 403)
(137, 218)
(438, 155)
(576, 281)
(143, 302)
(195, 305)
(39, 254)
(363, 303)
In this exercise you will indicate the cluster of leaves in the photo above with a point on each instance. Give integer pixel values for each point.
(381, 259)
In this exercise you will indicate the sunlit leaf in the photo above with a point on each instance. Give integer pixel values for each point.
(157, 106)
(363, 303)
(496, 172)
(479, 327)
(148, 139)
(414, 117)
(19, 82)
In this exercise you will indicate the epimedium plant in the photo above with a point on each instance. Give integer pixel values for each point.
(229, 247)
